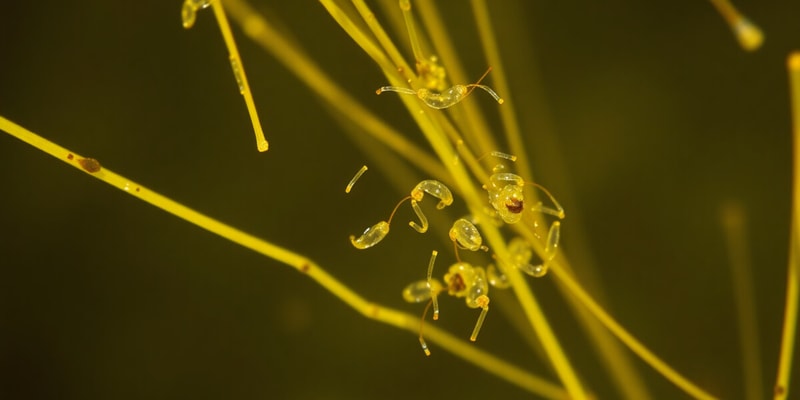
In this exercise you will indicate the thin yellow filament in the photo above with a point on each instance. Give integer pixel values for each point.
(734, 226)
(747, 33)
(793, 270)
(239, 74)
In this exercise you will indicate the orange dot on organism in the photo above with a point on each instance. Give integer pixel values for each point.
(70, 156)
(89, 165)
(304, 268)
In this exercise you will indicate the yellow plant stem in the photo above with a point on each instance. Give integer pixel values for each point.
(734, 226)
(468, 352)
(793, 270)
(238, 73)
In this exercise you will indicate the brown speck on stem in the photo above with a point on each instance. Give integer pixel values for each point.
(89, 165)
(70, 156)
(779, 390)
(304, 268)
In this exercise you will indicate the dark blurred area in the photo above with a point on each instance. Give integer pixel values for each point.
(644, 119)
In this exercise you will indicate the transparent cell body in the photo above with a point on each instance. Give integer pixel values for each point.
(420, 291)
(434, 188)
(506, 197)
(466, 235)
(464, 280)
(371, 236)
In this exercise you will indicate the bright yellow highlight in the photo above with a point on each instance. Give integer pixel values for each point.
(458, 347)
(747, 33)
(793, 271)
(188, 12)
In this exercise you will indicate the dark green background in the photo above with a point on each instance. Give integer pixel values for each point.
(659, 118)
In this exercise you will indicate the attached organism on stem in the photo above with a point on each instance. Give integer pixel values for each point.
(374, 234)
(446, 99)
(461, 280)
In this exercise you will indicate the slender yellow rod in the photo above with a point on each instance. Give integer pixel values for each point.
(735, 225)
(747, 33)
(460, 348)
(189, 15)
(793, 270)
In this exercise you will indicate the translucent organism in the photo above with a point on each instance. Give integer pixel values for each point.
(355, 178)
(461, 280)
(447, 98)
(465, 235)
(189, 11)
(506, 196)
(374, 234)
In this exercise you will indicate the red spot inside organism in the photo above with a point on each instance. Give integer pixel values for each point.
(515, 206)
(457, 285)
(70, 156)
(304, 268)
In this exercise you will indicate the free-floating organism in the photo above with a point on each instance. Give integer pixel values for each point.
(355, 178)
